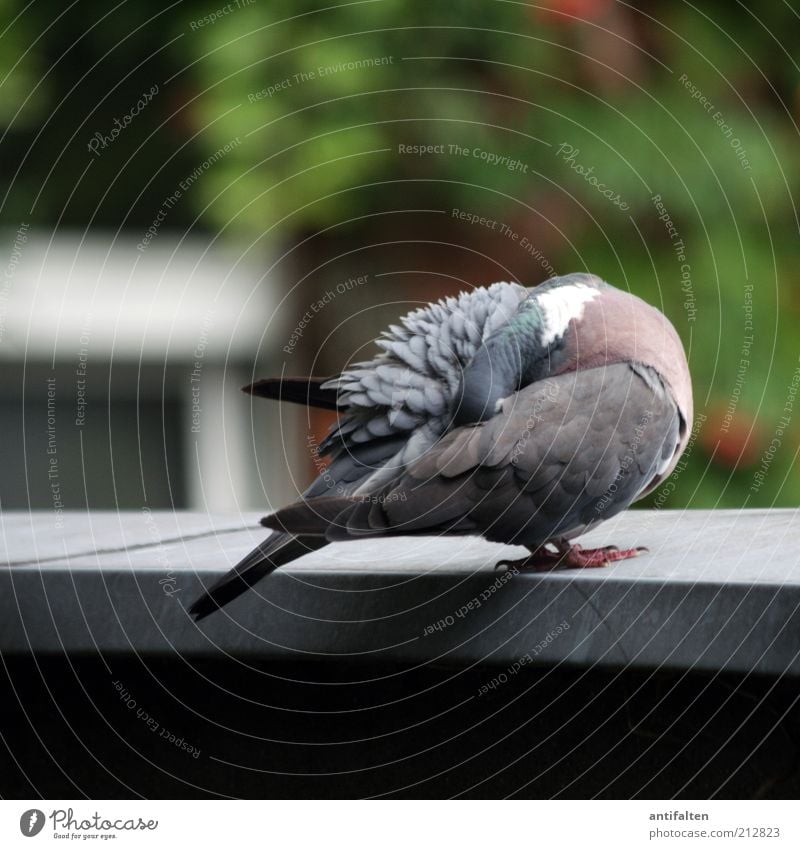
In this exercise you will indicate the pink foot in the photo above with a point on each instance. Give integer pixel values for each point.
(571, 557)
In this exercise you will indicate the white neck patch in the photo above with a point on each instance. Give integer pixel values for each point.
(560, 305)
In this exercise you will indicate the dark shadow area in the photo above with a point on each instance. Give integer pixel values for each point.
(312, 730)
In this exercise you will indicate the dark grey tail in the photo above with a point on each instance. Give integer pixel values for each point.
(277, 550)
(307, 391)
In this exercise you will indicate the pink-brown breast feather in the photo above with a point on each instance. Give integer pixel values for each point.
(618, 327)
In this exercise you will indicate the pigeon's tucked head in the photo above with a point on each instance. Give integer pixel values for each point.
(595, 324)
(584, 322)
(571, 323)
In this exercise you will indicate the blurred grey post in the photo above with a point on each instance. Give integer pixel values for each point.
(122, 368)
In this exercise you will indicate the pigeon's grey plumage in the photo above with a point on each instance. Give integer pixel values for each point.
(525, 416)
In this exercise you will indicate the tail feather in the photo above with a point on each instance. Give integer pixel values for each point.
(311, 517)
(299, 390)
(277, 550)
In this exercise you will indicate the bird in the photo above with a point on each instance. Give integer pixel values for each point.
(523, 415)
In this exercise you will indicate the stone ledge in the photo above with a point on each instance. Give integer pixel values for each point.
(719, 591)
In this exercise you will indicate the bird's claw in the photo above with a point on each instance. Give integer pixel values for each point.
(571, 557)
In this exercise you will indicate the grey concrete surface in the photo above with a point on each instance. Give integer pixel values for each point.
(718, 591)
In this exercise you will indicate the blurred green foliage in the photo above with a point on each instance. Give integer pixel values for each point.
(696, 105)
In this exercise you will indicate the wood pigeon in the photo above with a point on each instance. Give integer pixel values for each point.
(523, 415)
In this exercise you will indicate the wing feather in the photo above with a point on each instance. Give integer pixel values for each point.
(553, 462)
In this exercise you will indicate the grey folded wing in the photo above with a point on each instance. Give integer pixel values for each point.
(560, 456)
(396, 405)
